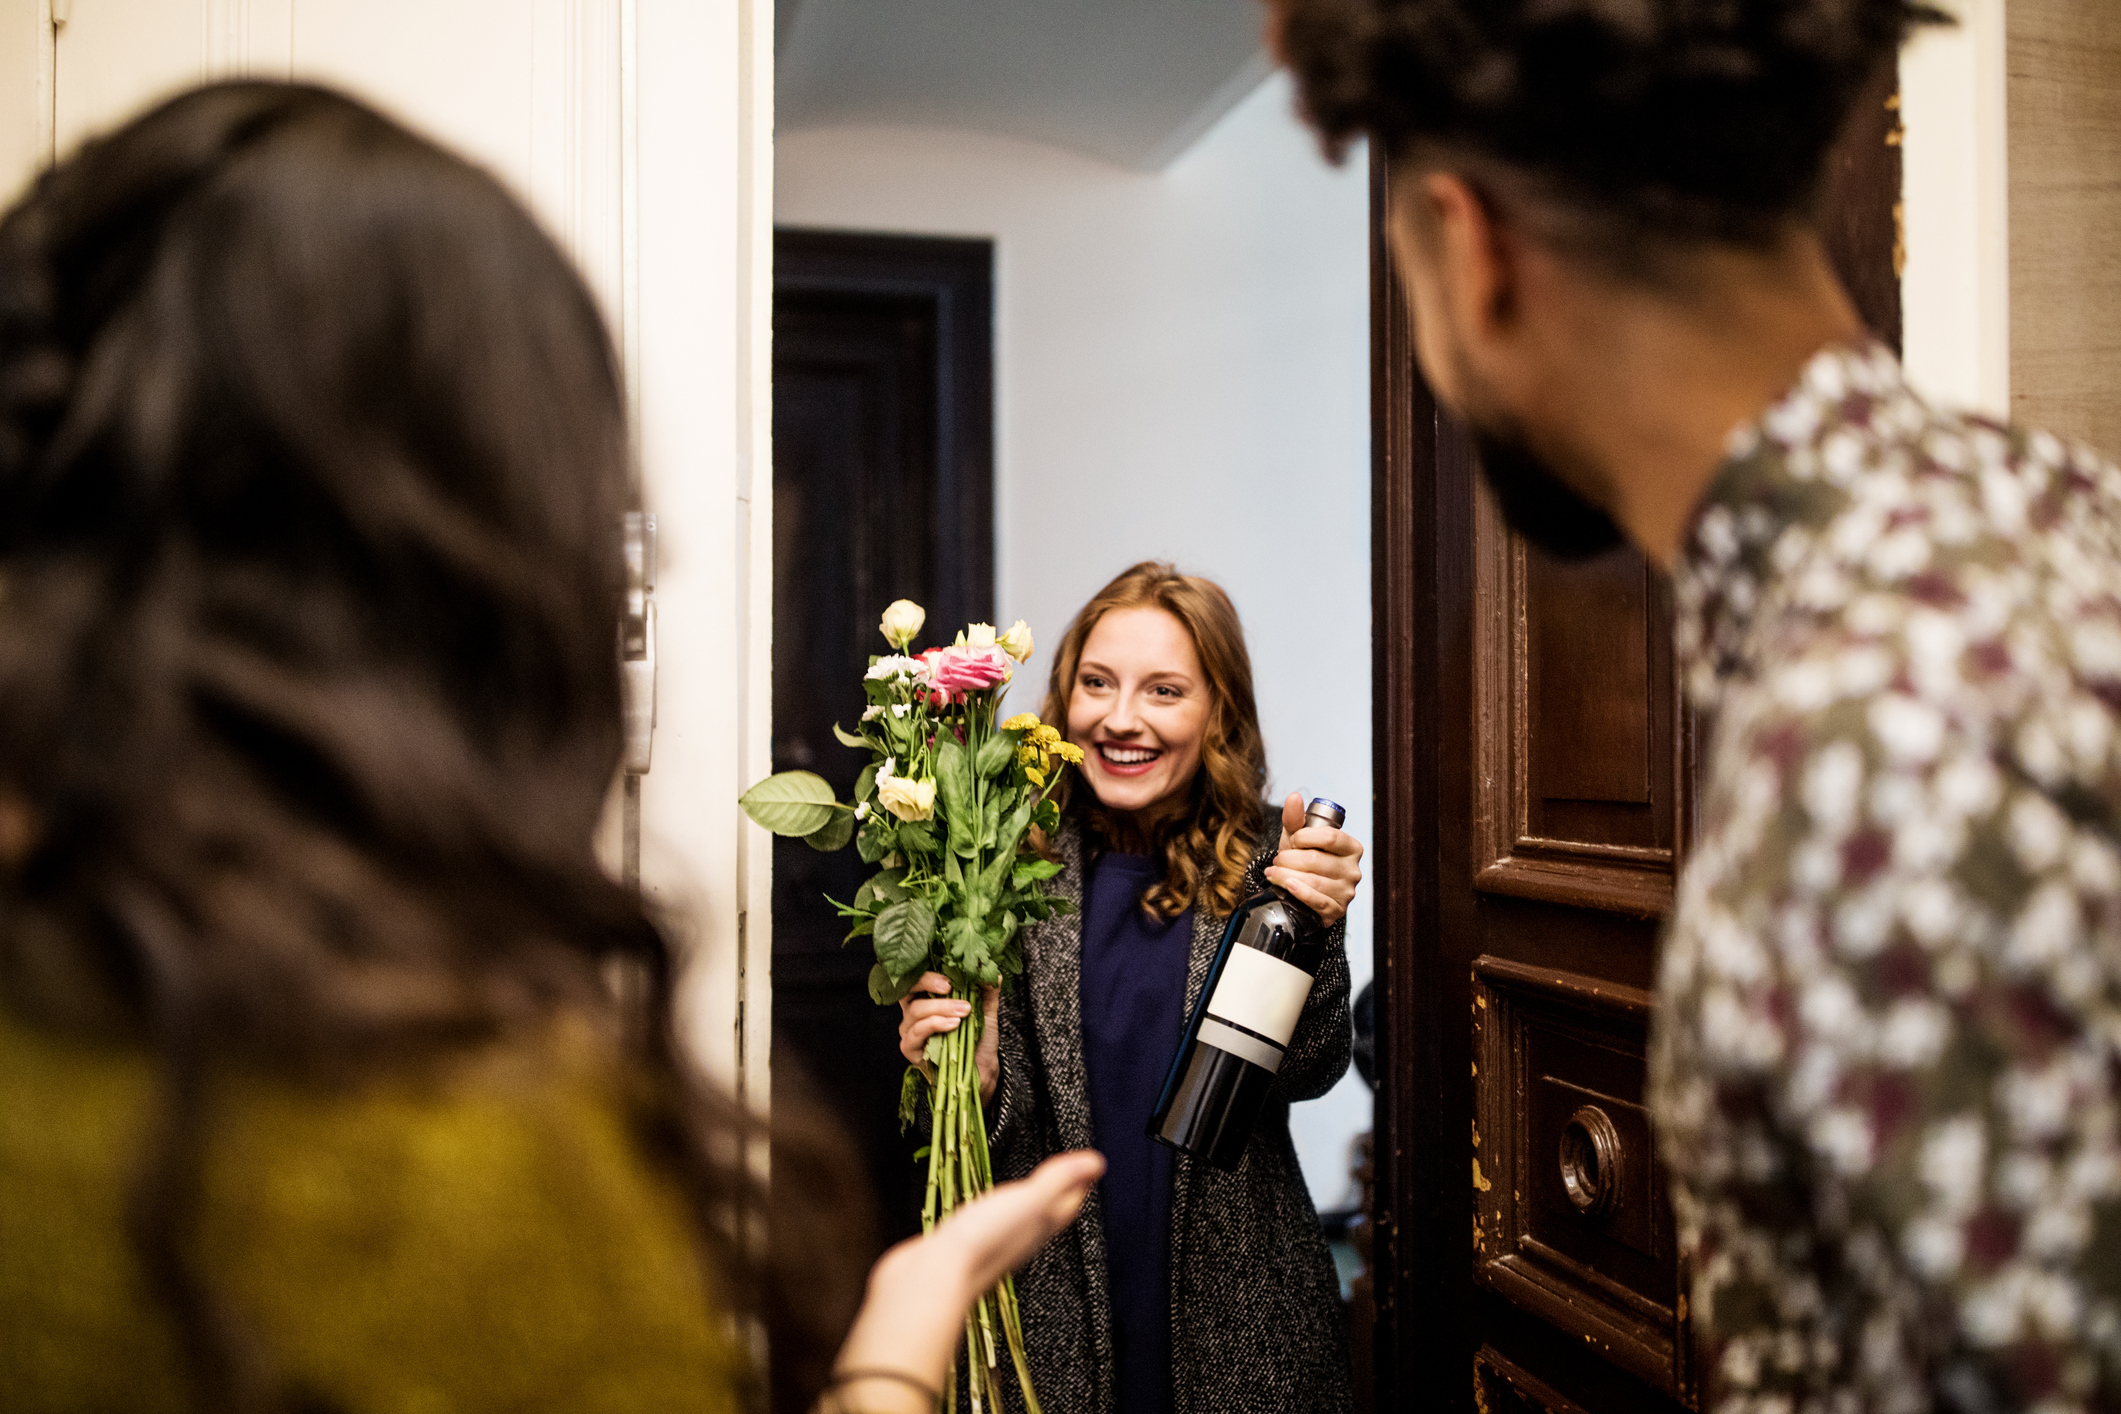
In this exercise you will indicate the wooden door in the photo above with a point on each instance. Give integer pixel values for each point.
(1535, 774)
(882, 489)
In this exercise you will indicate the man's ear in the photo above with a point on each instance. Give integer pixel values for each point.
(1473, 256)
(1459, 270)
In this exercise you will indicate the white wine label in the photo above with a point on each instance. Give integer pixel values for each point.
(1237, 1043)
(1260, 993)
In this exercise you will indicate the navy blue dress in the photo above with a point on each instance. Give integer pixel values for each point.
(1133, 1009)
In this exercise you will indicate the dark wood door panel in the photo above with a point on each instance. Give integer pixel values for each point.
(1579, 738)
(1572, 1219)
(1502, 1386)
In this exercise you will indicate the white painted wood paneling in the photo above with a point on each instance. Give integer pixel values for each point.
(118, 56)
(462, 70)
(704, 81)
(1955, 290)
(25, 93)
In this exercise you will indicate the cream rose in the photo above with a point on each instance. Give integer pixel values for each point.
(902, 621)
(1017, 641)
(909, 800)
(979, 636)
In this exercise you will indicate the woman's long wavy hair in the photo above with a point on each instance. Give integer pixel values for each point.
(1207, 848)
(312, 459)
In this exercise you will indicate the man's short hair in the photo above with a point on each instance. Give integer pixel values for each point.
(1678, 120)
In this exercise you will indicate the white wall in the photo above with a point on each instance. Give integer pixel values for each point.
(1182, 372)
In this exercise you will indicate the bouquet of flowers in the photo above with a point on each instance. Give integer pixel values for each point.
(944, 809)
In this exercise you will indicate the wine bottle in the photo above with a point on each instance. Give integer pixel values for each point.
(1242, 1022)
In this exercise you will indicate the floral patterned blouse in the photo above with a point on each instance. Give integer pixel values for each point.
(1885, 1062)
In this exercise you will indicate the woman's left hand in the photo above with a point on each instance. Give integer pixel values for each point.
(1317, 865)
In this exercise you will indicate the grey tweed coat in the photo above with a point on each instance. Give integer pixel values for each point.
(1256, 1319)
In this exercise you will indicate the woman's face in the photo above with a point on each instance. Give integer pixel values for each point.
(1138, 709)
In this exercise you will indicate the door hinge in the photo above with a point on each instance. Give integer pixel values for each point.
(637, 643)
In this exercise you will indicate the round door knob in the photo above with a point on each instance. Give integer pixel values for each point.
(1590, 1161)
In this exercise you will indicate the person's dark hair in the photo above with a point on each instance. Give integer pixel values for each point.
(1677, 120)
(312, 458)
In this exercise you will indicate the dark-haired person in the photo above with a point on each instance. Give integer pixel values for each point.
(1885, 1057)
(315, 1091)
(1184, 1287)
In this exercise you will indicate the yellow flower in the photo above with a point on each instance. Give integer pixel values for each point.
(1021, 722)
(1028, 754)
(1069, 752)
(1034, 775)
(1044, 735)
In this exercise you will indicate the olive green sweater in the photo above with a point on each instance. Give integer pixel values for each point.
(489, 1240)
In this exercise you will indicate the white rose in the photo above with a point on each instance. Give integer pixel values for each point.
(903, 620)
(979, 636)
(1017, 641)
(909, 800)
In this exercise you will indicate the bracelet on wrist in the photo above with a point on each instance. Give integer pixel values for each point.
(840, 1378)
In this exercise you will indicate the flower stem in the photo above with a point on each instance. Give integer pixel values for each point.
(960, 1169)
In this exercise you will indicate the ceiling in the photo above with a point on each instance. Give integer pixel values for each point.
(1132, 82)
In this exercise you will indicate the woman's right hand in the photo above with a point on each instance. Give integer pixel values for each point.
(914, 1313)
(928, 1010)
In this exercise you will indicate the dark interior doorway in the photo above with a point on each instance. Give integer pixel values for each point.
(883, 487)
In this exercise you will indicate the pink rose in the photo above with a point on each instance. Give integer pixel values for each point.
(965, 668)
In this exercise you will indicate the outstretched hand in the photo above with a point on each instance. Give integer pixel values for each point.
(1316, 865)
(919, 1291)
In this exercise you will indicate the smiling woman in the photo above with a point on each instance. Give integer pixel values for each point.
(1184, 1287)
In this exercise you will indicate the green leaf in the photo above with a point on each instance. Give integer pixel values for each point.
(1033, 870)
(884, 989)
(1006, 840)
(1048, 816)
(995, 754)
(835, 832)
(953, 782)
(909, 1101)
(795, 803)
(970, 949)
(882, 887)
(865, 783)
(903, 932)
(848, 738)
(878, 837)
(917, 837)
